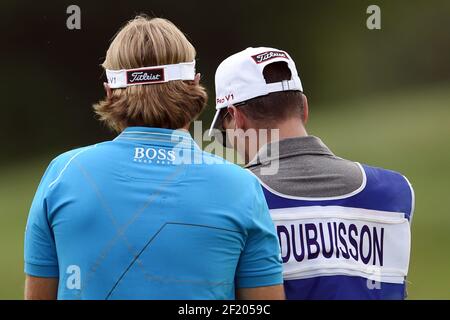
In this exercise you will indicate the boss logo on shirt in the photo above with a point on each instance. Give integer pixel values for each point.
(154, 155)
(143, 76)
(268, 55)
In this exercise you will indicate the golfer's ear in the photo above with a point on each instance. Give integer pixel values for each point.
(108, 90)
(197, 78)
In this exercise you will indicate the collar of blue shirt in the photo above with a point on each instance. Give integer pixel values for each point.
(158, 136)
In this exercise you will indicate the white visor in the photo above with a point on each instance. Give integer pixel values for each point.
(150, 75)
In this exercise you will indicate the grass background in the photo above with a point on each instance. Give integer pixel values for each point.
(407, 132)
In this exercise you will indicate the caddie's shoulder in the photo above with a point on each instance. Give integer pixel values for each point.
(391, 186)
(385, 176)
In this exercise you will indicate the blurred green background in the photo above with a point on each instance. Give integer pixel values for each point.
(378, 97)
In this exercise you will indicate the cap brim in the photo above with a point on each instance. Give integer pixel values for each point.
(214, 123)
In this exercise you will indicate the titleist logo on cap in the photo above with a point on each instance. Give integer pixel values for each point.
(143, 76)
(262, 57)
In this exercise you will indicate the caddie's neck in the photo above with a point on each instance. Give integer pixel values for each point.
(290, 128)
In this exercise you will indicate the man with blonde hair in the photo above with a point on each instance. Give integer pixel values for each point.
(149, 215)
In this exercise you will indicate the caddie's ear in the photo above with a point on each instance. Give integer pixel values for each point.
(108, 90)
(305, 109)
(239, 118)
(197, 78)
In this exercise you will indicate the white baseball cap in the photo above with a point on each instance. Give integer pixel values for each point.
(240, 77)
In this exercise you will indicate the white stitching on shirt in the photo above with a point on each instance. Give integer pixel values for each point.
(67, 164)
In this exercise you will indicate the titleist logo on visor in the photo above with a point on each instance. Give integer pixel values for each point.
(262, 57)
(145, 76)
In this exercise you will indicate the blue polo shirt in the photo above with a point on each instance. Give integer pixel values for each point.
(150, 216)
